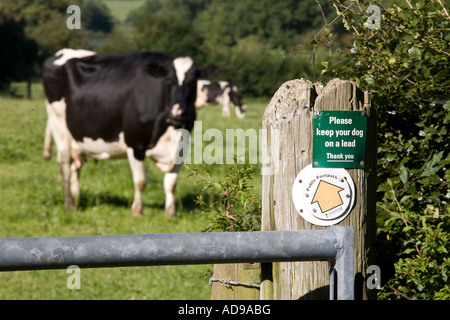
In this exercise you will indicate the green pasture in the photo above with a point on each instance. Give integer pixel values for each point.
(32, 205)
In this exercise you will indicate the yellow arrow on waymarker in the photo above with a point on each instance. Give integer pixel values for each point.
(327, 196)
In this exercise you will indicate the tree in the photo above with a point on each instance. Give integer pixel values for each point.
(17, 61)
(405, 66)
(278, 23)
(166, 25)
(32, 30)
(254, 41)
(44, 24)
(96, 16)
(255, 67)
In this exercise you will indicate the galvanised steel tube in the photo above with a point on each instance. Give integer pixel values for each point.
(168, 249)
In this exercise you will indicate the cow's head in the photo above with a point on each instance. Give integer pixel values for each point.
(184, 91)
(181, 77)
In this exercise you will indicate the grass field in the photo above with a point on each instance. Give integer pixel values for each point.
(32, 205)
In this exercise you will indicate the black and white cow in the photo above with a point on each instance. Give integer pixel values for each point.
(221, 92)
(119, 105)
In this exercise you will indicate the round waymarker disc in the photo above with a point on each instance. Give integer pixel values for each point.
(323, 196)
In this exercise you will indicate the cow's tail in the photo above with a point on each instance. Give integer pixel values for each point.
(47, 154)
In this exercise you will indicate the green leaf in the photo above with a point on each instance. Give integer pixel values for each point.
(403, 174)
(408, 251)
(443, 249)
(383, 188)
(430, 166)
(391, 156)
(218, 186)
(443, 74)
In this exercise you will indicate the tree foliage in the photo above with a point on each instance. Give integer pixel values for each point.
(254, 41)
(405, 66)
(32, 30)
(258, 43)
(23, 54)
(276, 23)
(167, 26)
(45, 24)
(96, 16)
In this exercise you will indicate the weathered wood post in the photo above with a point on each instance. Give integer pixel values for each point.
(235, 281)
(287, 149)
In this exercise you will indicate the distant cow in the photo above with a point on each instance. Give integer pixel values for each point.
(223, 93)
(117, 105)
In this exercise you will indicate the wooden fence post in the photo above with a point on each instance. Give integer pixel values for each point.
(288, 145)
(232, 281)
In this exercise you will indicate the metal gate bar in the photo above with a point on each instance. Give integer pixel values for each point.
(334, 245)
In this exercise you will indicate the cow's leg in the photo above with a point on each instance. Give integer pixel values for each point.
(57, 129)
(74, 181)
(139, 180)
(70, 165)
(226, 103)
(200, 102)
(170, 182)
(240, 111)
(75, 168)
(47, 154)
(70, 170)
(63, 157)
(226, 109)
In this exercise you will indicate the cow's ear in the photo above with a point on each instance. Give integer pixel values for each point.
(210, 71)
(157, 69)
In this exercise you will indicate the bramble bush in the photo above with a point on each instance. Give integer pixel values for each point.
(404, 65)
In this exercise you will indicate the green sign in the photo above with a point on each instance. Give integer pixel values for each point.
(339, 139)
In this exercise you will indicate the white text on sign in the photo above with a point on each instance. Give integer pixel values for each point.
(339, 139)
(340, 133)
(335, 120)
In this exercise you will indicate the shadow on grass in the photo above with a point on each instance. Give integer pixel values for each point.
(92, 199)
(184, 202)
